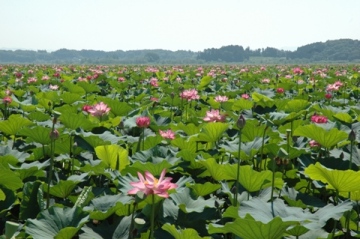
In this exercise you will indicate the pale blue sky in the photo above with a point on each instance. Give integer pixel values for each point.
(174, 25)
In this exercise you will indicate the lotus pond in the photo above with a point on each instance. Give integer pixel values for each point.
(181, 152)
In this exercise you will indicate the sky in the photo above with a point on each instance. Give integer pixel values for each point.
(195, 25)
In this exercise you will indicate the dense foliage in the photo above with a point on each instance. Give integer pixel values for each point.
(344, 50)
(245, 152)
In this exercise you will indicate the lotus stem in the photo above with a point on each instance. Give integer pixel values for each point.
(272, 188)
(152, 216)
(235, 202)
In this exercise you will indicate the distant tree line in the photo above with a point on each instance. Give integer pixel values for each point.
(332, 50)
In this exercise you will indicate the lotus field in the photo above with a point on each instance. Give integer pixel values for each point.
(183, 152)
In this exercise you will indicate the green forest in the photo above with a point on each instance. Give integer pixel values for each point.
(343, 50)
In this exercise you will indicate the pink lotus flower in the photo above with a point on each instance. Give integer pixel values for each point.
(54, 134)
(31, 80)
(319, 119)
(189, 95)
(314, 144)
(280, 90)
(121, 79)
(151, 185)
(220, 98)
(245, 96)
(53, 87)
(143, 122)
(265, 81)
(7, 100)
(154, 82)
(18, 75)
(45, 78)
(99, 109)
(168, 134)
(214, 116)
(328, 96)
(297, 71)
(86, 108)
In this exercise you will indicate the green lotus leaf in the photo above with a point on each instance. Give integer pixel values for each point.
(73, 88)
(325, 138)
(29, 207)
(206, 80)
(149, 143)
(154, 168)
(74, 121)
(262, 100)
(297, 230)
(8, 202)
(117, 228)
(63, 188)
(38, 134)
(343, 117)
(187, 204)
(57, 222)
(2, 195)
(90, 142)
(242, 104)
(49, 95)
(212, 132)
(185, 144)
(340, 180)
(189, 129)
(13, 125)
(38, 116)
(89, 88)
(296, 105)
(10, 179)
(250, 229)
(102, 207)
(252, 180)
(70, 98)
(204, 189)
(113, 156)
(118, 108)
(252, 130)
(217, 171)
(182, 233)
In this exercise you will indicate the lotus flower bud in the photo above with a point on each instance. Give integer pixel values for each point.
(352, 135)
(54, 134)
(241, 122)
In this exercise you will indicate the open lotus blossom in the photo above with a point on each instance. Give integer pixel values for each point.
(45, 78)
(31, 80)
(168, 134)
(53, 87)
(220, 98)
(334, 87)
(189, 95)
(151, 185)
(143, 121)
(214, 116)
(245, 96)
(154, 82)
(320, 119)
(297, 71)
(265, 81)
(99, 109)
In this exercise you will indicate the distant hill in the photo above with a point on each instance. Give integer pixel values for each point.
(343, 50)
